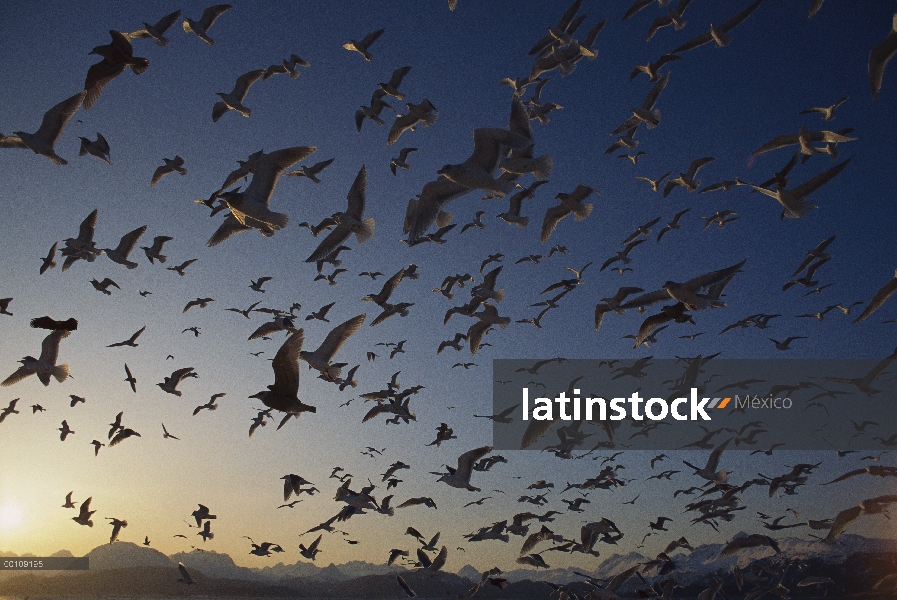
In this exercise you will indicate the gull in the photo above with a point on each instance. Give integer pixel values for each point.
(405, 587)
(130, 379)
(642, 230)
(622, 255)
(402, 160)
(392, 87)
(879, 57)
(674, 224)
(234, 100)
(390, 310)
(460, 477)
(131, 341)
(651, 69)
(246, 312)
(655, 183)
(250, 209)
(125, 246)
(332, 277)
(102, 286)
(287, 66)
(709, 471)
(49, 262)
(117, 524)
(627, 140)
(571, 203)
(805, 139)
(206, 532)
(69, 503)
(540, 111)
(456, 343)
(687, 180)
(98, 148)
(362, 46)
(646, 113)
(166, 435)
(816, 253)
(312, 173)
(326, 224)
(11, 410)
(170, 166)
(282, 395)
(614, 303)
(793, 204)
(96, 447)
(44, 139)
(44, 367)
(210, 405)
(153, 252)
(633, 158)
(156, 32)
(349, 222)
(568, 23)
(201, 27)
(748, 541)
(200, 302)
(721, 218)
(321, 314)
(673, 17)
(280, 323)
(807, 280)
(65, 431)
(321, 358)
(170, 383)
(373, 111)
(880, 297)
(423, 113)
(257, 285)
(432, 567)
(417, 502)
(116, 57)
(84, 514)
(312, 549)
(718, 33)
(828, 112)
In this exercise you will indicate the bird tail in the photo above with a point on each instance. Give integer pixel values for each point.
(542, 167)
(277, 220)
(444, 218)
(366, 231)
(140, 66)
(499, 296)
(161, 259)
(656, 114)
(61, 373)
(504, 321)
(429, 119)
(521, 222)
(162, 41)
(582, 213)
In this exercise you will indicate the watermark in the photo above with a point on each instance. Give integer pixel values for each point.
(45, 563)
(569, 406)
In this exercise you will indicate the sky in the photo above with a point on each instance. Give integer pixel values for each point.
(720, 102)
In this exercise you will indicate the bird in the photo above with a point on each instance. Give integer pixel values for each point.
(362, 46)
(460, 477)
(312, 549)
(718, 33)
(179, 269)
(210, 405)
(571, 203)
(98, 148)
(287, 66)
(96, 447)
(123, 434)
(65, 431)
(76, 400)
(405, 587)
(166, 435)
(153, 253)
(117, 56)
(11, 410)
(131, 341)
(44, 367)
(156, 32)
(234, 99)
(879, 57)
(185, 575)
(401, 162)
(43, 141)
(172, 165)
(200, 302)
(117, 524)
(208, 18)
(423, 113)
(391, 88)
(49, 262)
(827, 112)
(84, 514)
(687, 179)
(311, 172)
(349, 222)
(130, 379)
(53, 325)
(785, 344)
(103, 286)
(170, 383)
(282, 395)
(880, 297)
(748, 541)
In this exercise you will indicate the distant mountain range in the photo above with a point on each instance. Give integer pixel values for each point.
(124, 568)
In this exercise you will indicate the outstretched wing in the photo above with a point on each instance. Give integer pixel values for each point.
(338, 336)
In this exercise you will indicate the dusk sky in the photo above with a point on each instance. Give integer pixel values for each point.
(720, 102)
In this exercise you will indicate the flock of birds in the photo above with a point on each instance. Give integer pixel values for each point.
(501, 158)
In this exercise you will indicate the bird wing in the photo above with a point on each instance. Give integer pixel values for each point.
(397, 76)
(85, 231)
(230, 227)
(268, 168)
(244, 81)
(129, 240)
(693, 43)
(879, 58)
(697, 164)
(57, 118)
(553, 216)
(338, 336)
(330, 243)
(98, 76)
(466, 460)
(356, 194)
(814, 183)
(739, 17)
(286, 365)
(211, 14)
(880, 297)
(433, 198)
(318, 167)
(440, 559)
(179, 375)
(50, 346)
(371, 38)
(490, 146)
(654, 94)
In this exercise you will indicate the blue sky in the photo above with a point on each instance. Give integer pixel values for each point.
(721, 102)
